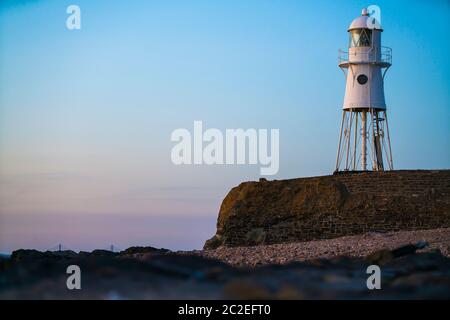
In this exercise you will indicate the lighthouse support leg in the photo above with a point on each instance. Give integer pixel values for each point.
(355, 141)
(390, 161)
(349, 135)
(338, 156)
(377, 139)
(363, 141)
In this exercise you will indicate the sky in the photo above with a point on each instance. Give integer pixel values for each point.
(86, 115)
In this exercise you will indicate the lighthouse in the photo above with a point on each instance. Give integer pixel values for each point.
(364, 142)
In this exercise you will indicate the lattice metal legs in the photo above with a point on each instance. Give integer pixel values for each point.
(364, 136)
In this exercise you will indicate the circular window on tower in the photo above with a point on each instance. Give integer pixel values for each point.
(362, 79)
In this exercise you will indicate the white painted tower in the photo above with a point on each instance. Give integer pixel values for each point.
(364, 142)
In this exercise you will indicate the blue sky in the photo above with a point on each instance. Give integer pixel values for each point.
(86, 115)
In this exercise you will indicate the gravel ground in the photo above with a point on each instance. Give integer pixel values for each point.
(355, 246)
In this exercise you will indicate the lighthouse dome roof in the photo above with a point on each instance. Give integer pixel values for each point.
(363, 22)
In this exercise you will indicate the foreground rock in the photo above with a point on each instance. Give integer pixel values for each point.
(146, 275)
(269, 212)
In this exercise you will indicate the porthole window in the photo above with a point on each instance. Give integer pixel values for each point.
(362, 79)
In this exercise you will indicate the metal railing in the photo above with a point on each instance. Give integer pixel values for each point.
(385, 56)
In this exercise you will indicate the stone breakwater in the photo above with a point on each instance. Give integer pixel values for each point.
(343, 204)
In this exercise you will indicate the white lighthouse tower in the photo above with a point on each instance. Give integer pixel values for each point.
(364, 136)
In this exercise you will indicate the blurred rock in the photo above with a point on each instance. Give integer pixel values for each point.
(103, 253)
(141, 250)
(31, 274)
(381, 257)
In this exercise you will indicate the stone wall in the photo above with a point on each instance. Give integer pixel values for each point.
(268, 212)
